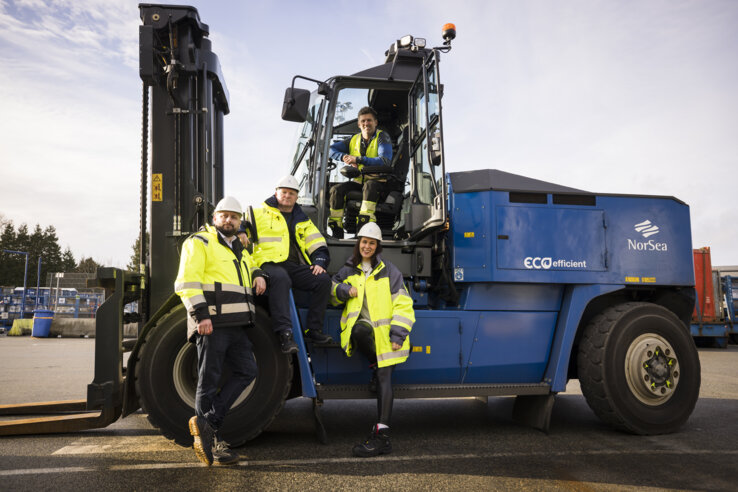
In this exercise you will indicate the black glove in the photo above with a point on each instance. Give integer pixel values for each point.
(350, 172)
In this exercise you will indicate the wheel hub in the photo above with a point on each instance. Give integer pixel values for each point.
(652, 369)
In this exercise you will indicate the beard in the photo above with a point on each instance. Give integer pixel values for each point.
(226, 229)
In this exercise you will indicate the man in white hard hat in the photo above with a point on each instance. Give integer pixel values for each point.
(215, 281)
(292, 251)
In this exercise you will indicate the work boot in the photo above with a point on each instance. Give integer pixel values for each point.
(204, 435)
(318, 337)
(377, 443)
(287, 343)
(223, 455)
(336, 230)
(361, 220)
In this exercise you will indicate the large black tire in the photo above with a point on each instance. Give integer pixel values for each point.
(166, 379)
(639, 369)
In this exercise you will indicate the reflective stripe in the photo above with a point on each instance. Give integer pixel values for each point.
(270, 239)
(188, 285)
(233, 288)
(313, 237)
(393, 355)
(401, 292)
(238, 307)
(191, 302)
(203, 239)
(225, 288)
(212, 310)
(402, 319)
(315, 246)
(352, 314)
(381, 322)
(368, 206)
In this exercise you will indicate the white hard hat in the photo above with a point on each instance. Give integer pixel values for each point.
(372, 230)
(289, 181)
(229, 204)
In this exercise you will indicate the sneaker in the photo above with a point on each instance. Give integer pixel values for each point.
(318, 337)
(204, 435)
(223, 455)
(377, 443)
(336, 230)
(287, 343)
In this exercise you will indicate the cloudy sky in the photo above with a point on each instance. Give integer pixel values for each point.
(607, 96)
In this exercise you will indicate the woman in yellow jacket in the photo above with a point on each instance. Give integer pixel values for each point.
(376, 320)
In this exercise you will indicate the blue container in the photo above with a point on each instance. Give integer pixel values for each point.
(42, 323)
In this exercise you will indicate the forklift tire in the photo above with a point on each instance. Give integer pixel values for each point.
(166, 380)
(639, 369)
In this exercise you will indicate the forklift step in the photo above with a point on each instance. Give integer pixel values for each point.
(361, 391)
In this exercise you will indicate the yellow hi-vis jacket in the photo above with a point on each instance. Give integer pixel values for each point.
(213, 283)
(390, 308)
(274, 236)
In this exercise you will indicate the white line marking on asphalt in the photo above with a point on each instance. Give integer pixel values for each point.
(379, 459)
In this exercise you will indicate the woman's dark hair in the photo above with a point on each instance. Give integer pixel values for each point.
(356, 257)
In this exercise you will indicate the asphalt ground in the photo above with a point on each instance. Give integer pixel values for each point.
(449, 444)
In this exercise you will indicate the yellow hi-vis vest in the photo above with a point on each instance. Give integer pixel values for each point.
(212, 282)
(274, 236)
(372, 150)
(389, 306)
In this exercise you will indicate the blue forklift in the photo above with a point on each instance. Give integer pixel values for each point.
(519, 285)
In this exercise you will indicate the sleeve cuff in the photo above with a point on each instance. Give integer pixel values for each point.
(398, 334)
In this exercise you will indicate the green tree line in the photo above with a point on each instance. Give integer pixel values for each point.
(40, 242)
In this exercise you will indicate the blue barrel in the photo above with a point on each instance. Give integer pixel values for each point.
(42, 323)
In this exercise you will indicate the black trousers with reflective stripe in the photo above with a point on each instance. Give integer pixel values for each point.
(362, 337)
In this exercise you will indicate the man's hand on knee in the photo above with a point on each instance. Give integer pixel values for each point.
(259, 285)
(317, 269)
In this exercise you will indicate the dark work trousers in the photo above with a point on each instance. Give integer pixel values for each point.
(371, 190)
(282, 277)
(362, 337)
(227, 346)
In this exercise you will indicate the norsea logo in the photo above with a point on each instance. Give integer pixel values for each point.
(647, 229)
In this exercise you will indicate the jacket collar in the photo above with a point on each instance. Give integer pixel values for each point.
(237, 247)
(297, 214)
(379, 266)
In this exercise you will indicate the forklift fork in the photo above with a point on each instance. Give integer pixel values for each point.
(105, 394)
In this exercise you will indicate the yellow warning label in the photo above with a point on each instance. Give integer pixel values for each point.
(427, 349)
(468, 234)
(417, 349)
(648, 280)
(633, 279)
(157, 194)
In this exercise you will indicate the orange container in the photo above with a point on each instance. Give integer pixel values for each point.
(704, 287)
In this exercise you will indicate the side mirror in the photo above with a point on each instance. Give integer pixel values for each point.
(296, 103)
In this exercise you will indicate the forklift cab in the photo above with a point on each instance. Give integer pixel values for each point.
(406, 94)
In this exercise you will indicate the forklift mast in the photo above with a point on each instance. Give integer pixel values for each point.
(189, 98)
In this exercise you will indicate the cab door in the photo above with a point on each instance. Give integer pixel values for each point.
(428, 190)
